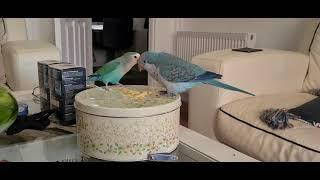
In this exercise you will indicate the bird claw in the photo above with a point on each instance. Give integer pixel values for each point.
(92, 86)
(106, 88)
(163, 92)
(170, 95)
(119, 85)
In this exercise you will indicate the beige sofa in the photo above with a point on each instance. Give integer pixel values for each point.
(19, 56)
(280, 79)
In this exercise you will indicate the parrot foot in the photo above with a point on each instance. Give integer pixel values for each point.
(92, 86)
(106, 88)
(165, 93)
(119, 84)
(171, 95)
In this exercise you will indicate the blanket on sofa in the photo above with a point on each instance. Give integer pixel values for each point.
(307, 112)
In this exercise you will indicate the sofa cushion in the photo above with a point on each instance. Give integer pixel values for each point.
(239, 126)
(312, 80)
(20, 61)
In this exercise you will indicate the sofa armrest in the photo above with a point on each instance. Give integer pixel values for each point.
(266, 72)
(20, 61)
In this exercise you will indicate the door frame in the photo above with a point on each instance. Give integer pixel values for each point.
(162, 33)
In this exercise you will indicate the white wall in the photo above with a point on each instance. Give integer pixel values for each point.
(43, 29)
(278, 33)
(161, 34)
(140, 35)
(40, 29)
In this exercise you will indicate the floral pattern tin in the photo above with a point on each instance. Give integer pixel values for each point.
(127, 123)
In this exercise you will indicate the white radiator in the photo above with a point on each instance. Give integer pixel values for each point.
(74, 39)
(189, 44)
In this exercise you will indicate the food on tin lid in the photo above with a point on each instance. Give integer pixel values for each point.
(124, 97)
(134, 93)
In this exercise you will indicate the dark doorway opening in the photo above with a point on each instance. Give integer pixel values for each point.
(112, 37)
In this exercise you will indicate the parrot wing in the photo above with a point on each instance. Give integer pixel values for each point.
(171, 59)
(107, 68)
(175, 69)
(173, 73)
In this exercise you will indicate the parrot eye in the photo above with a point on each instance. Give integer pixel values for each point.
(135, 56)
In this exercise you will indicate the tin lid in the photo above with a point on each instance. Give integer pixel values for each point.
(127, 101)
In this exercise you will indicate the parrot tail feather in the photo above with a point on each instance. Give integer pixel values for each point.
(226, 86)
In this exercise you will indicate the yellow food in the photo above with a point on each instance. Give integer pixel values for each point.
(134, 94)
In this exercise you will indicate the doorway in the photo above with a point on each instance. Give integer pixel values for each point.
(112, 37)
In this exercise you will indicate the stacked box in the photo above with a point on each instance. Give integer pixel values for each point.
(65, 81)
(43, 83)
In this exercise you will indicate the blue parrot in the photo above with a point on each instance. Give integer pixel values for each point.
(113, 71)
(178, 75)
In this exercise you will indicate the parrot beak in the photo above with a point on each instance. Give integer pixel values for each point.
(140, 67)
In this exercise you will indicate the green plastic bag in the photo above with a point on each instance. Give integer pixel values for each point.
(8, 109)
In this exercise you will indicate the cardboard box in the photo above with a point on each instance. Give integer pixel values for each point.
(43, 83)
(65, 81)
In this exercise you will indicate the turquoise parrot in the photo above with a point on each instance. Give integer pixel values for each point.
(8, 109)
(178, 75)
(113, 71)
